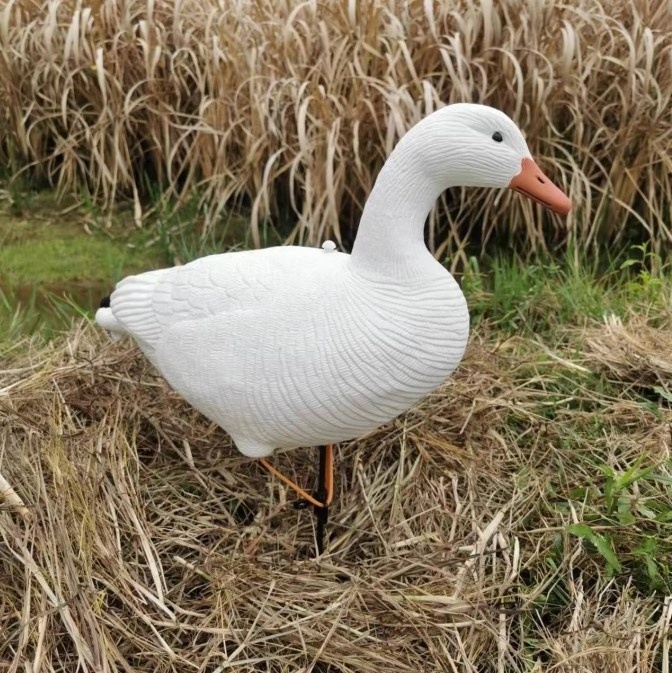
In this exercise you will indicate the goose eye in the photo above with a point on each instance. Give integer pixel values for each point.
(497, 137)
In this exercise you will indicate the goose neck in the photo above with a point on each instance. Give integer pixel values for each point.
(390, 238)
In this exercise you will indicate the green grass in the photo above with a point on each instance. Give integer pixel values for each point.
(516, 295)
(60, 256)
(622, 494)
(41, 245)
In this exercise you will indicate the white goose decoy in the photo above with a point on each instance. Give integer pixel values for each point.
(291, 346)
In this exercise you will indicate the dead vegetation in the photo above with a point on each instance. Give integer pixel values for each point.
(148, 543)
(642, 356)
(288, 109)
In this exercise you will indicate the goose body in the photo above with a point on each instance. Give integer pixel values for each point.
(292, 346)
(287, 347)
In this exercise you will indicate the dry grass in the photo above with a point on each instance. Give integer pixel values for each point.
(150, 544)
(643, 356)
(289, 108)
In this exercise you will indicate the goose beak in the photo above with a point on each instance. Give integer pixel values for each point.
(534, 184)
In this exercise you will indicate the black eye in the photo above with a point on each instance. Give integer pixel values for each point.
(497, 137)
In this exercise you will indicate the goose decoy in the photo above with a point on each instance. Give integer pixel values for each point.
(292, 346)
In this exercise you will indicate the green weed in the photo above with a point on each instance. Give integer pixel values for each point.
(521, 296)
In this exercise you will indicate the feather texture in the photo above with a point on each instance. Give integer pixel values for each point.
(285, 347)
(291, 346)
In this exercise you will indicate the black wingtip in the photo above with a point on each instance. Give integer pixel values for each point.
(104, 302)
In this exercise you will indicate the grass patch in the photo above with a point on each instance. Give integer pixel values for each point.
(46, 242)
(56, 254)
(534, 296)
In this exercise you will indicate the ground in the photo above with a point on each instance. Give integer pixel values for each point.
(517, 520)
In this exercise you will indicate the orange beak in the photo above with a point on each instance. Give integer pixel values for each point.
(533, 183)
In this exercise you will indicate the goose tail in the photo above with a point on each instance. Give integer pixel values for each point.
(105, 318)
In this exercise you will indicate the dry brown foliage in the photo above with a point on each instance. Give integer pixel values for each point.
(289, 108)
(642, 355)
(135, 538)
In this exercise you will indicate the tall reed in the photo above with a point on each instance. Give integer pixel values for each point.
(289, 108)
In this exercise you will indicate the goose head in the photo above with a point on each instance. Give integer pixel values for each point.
(472, 145)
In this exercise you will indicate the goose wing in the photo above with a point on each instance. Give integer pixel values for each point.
(247, 282)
